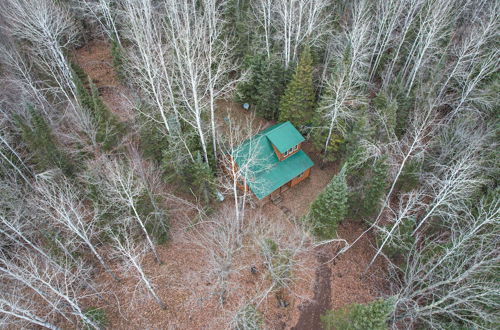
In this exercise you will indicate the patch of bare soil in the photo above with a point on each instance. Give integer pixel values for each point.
(96, 60)
(310, 317)
(184, 281)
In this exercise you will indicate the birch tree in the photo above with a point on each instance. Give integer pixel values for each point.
(60, 204)
(60, 288)
(200, 62)
(104, 12)
(12, 306)
(122, 187)
(51, 31)
(434, 20)
(297, 22)
(344, 89)
(454, 286)
(132, 255)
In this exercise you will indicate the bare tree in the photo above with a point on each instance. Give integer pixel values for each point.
(236, 177)
(13, 306)
(222, 237)
(60, 287)
(123, 187)
(131, 255)
(433, 21)
(104, 12)
(344, 89)
(455, 286)
(387, 16)
(200, 61)
(297, 22)
(60, 204)
(50, 30)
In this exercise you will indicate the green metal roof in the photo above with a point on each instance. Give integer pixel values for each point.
(260, 165)
(284, 136)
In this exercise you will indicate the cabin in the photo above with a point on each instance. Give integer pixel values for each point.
(272, 161)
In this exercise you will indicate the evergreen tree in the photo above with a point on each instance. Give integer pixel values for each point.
(38, 137)
(109, 129)
(387, 110)
(371, 316)
(375, 187)
(200, 178)
(264, 87)
(117, 55)
(318, 138)
(330, 207)
(297, 104)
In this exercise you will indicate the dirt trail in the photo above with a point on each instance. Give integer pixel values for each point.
(186, 262)
(310, 314)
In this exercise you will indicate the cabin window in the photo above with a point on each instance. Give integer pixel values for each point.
(291, 150)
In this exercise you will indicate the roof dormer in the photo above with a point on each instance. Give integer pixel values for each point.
(285, 140)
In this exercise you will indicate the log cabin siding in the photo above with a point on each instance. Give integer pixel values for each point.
(281, 156)
(300, 178)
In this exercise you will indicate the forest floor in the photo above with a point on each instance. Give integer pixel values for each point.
(183, 281)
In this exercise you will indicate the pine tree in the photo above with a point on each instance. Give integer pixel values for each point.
(38, 137)
(387, 109)
(297, 104)
(117, 55)
(109, 129)
(372, 316)
(330, 207)
(375, 188)
(264, 87)
(318, 138)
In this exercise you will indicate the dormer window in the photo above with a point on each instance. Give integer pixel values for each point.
(291, 150)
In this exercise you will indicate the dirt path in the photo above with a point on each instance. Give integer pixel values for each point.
(185, 262)
(310, 317)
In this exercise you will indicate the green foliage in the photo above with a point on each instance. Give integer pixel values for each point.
(200, 179)
(247, 318)
(409, 178)
(330, 207)
(109, 129)
(403, 104)
(297, 104)
(98, 316)
(277, 262)
(157, 222)
(387, 109)
(371, 316)
(237, 18)
(401, 239)
(264, 87)
(41, 142)
(118, 59)
(332, 152)
(153, 142)
(375, 187)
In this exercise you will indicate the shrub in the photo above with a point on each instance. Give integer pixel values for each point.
(371, 316)
(98, 316)
(247, 318)
(277, 262)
